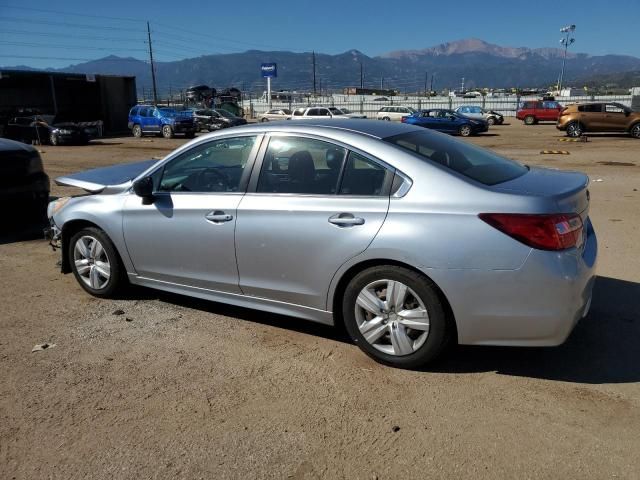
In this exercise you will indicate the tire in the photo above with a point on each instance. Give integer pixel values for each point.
(97, 266)
(412, 347)
(530, 120)
(574, 130)
(386, 119)
(167, 131)
(635, 130)
(264, 120)
(137, 131)
(465, 130)
(190, 135)
(491, 121)
(53, 139)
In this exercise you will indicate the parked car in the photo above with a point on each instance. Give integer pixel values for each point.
(161, 121)
(473, 111)
(394, 113)
(599, 117)
(24, 186)
(350, 114)
(534, 111)
(411, 238)
(41, 129)
(210, 119)
(275, 114)
(447, 121)
(320, 112)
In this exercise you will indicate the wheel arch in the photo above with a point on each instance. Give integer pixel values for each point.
(335, 295)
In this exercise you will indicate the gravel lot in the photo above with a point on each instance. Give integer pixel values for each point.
(163, 386)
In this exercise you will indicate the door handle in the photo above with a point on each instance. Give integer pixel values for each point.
(346, 220)
(218, 216)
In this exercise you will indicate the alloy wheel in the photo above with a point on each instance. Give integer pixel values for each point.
(91, 262)
(574, 130)
(635, 130)
(465, 130)
(392, 317)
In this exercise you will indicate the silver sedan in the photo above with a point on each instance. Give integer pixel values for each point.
(410, 238)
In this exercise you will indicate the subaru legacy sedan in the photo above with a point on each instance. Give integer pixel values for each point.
(408, 237)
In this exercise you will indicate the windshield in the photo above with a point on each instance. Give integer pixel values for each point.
(473, 162)
(335, 111)
(224, 113)
(168, 112)
(345, 110)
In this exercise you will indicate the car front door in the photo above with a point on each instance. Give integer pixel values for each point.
(305, 215)
(186, 235)
(615, 118)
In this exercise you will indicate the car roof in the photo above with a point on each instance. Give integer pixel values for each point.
(368, 127)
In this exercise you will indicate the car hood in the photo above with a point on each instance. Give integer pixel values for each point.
(97, 179)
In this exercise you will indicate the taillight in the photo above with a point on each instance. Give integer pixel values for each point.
(544, 232)
(403, 119)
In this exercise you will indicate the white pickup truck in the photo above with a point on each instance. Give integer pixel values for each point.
(323, 112)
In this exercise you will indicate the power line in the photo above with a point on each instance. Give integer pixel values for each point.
(73, 47)
(64, 24)
(67, 35)
(42, 10)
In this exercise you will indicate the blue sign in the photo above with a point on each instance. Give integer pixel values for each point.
(269, 70)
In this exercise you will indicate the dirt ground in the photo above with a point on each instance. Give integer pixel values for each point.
(181, 388)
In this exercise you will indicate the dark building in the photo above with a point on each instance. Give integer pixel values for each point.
(69, 96)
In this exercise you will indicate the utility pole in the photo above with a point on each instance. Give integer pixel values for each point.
(426, 77)
(566, 41)
(361, 76)
(153, 70)
(381, 83)
(314, 73)
(431, 87)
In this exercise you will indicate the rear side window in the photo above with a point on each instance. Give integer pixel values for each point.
(362, 177)
(473, 162)
(134, 111)
(612, 108)
(298, 112)
(591, 107)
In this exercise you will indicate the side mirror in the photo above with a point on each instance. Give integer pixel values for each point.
(144, 187)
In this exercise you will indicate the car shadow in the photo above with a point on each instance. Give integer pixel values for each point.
(603, 348)
(23, 226)
(247, 314)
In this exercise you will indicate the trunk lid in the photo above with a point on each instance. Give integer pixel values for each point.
(97, 179)
(567, 189)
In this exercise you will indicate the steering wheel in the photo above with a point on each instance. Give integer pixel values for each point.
(207, 180)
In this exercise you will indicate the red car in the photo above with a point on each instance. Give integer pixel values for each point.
(534, 111)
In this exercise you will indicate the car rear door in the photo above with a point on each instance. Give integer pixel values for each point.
(305, 215)
(615, 119)
(186, 235)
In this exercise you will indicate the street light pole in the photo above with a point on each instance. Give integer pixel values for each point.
(566, 41)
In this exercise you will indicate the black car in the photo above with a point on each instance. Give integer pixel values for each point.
(36, 129)
(210, 119)
(23, 183)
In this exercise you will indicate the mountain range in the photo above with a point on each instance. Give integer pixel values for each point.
(480, 63)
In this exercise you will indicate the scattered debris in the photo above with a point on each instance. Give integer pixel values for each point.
(555, 152)
(42, 346)
(118, 312)
(583, 138)
(395, 428)
(598, 180)
(618, 164)
(128, 319)
(615, 219)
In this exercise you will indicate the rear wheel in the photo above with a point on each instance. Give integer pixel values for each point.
(53, 139)
(635, 131)
(190, 134)
(386, 119)
(137, 131)
(167, 131)
(529, 120)
(574, 130)
(264, 120)
(95, 262)
(396, 316)
(465, 130)
(491, 121)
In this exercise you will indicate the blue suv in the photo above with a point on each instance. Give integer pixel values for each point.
(166, 121)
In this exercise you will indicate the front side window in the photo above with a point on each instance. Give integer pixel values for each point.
(301, 165)
(464, 158)
(216, 166)
(298, 112)
(590, 107)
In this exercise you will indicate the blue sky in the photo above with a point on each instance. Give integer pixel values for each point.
(70, 31)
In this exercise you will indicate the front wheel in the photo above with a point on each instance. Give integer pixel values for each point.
(395, 316)
(529, 120)
(264, 120)
(53, 139)
(137, 131)
(465, 130)
(95, 262)
(635, 131)
(167, 131)
(491, 121)
(574, 130)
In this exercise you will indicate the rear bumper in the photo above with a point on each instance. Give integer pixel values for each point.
(537, 305)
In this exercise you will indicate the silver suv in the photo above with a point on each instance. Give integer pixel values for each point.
(394, 113)
(320, 112)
